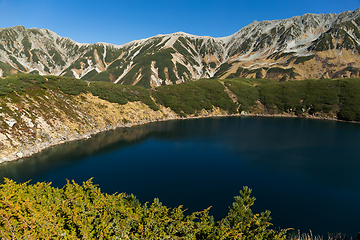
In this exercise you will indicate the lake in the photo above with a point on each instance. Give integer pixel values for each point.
(305, 171)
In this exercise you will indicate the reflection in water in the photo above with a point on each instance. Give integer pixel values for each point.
(67, 153)
(304, 171)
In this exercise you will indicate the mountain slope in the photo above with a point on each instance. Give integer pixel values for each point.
(308, 46)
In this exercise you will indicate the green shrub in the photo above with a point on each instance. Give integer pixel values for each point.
(21, 82)
(72, 86)
(222, 69)
(349, 99)
(312, 95)
(40, 211)
(121, 94)
(102, 76)
(183, 98)
(303, 59)
(215, 93)
(5, 87)
(192, 97)
(6, 69)
(324, 42)
(247, 93)
(90, 74)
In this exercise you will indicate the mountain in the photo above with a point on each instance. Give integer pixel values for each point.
(301, 47)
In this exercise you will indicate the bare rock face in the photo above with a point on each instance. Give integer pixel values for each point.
(308, 46)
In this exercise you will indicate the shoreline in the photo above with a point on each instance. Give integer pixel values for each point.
(19, 155)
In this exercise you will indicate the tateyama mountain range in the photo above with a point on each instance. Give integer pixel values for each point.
(301, 47)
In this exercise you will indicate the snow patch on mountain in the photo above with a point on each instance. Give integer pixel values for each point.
(155, 81)
(128, 68)
(45, 51)
(171, 42)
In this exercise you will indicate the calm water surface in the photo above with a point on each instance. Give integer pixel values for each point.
(305, 171)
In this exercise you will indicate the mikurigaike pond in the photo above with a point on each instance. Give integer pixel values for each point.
(305, 171)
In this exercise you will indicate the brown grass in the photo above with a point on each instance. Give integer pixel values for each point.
(310, 236)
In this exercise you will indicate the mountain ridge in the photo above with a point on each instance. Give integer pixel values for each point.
(301, 47)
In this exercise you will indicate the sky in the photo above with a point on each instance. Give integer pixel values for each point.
(122, 21)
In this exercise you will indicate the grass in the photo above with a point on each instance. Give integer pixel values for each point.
(310, 236)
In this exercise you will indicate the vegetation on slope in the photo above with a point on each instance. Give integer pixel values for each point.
(72, 86)
(80, 212)
(24, 82)
(281, 74)
(121, 93)
(331, 98)
(325, 97)
(41, 211)
(193, 97)
(246, 91)
(6, 68)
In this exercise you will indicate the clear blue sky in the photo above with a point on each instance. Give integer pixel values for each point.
(122, 21)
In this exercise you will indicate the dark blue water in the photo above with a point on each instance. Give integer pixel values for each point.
(307, 172)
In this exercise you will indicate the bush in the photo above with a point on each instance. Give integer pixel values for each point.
(74, 211)
(303, 59)
(21, 82)
(121, 94)
(349, 99)
(72, 86)
(247, 93)
(294, 96)
(192, 97)
(184, 98)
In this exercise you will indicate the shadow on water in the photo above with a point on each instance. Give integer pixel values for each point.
(305, 171)
(69, 153)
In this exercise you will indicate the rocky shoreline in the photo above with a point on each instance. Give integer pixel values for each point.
(27, 132)
(53, 142)
(38, 148)
(34, 125)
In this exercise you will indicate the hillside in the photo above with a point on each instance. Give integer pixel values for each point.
(40, 111)
(301, 47)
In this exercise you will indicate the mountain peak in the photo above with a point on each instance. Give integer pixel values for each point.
(278, 49)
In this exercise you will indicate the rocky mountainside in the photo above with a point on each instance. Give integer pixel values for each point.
(301, 47)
